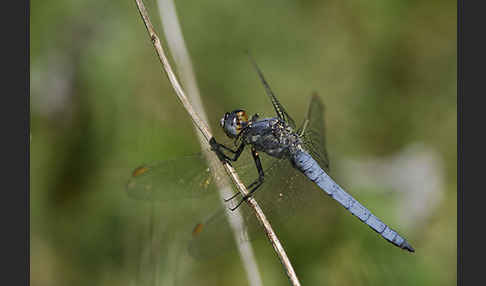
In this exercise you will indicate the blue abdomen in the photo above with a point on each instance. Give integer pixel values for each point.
(307, 165)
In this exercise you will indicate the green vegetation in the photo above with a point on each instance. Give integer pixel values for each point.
(101, 106)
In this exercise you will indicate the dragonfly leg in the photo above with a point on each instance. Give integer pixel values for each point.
(256, 184)
(253, 186)
(218, 149)
(259, 183)
(232, 197)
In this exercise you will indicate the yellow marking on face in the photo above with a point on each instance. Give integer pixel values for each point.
(240, 118)
(139, 171)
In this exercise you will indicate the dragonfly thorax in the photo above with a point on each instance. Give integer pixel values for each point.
(272, 136)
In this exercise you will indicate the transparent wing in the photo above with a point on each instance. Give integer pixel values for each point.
(284, 194)
(186, 177)
(313, 134)
(182, 178)
(279, 109)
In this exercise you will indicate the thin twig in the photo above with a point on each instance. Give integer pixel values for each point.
(177, 48)
(202, 126)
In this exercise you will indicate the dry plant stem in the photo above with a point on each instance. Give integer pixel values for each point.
(177, 47)
(201, 125)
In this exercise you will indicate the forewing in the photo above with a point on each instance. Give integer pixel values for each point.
(185, 177)
(181, 178)
(279, 109)
(313, 134)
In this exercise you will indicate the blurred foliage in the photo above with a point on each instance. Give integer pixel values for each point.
(100, 106)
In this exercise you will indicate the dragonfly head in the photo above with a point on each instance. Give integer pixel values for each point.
(233, 122)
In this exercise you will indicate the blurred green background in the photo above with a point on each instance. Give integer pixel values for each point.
(101, 106)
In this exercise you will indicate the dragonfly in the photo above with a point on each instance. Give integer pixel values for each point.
(299, 149)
